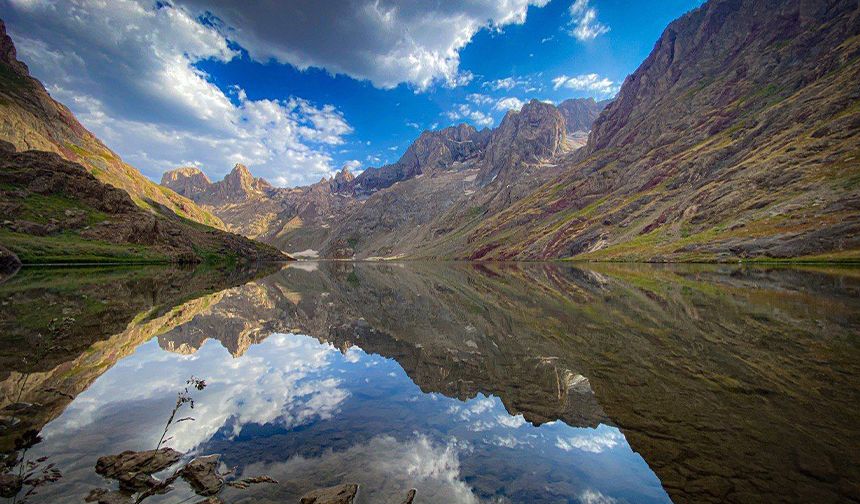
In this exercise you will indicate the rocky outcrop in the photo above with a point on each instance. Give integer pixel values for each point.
(31, 120)
(133, 470)
(534, 134)
(340, 494)
(202, 475)
(187, 181)
(432, 151)
(343, 181)
(579, 113)
(9, 262)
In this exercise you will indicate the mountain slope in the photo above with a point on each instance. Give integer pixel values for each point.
(579, 113)
(53, 211)
(736, 138)
(31, 119)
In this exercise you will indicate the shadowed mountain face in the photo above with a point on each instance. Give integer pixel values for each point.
(580, 113)
(734, 384)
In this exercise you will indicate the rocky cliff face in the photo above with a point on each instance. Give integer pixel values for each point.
(736, 138)
(186, 181)
(31, 119)
(579, 113)
(532, 135)
(433, 151)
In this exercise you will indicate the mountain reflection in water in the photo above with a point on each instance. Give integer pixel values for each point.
(470, 383)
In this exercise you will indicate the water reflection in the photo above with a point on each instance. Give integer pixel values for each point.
(490, 383)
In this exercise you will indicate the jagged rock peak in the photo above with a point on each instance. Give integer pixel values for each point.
(533, 134)
(241, 179)
(184, 172)
(8, 55)
(187, 181)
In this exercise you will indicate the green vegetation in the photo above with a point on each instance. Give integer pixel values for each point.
(42, 208)
(71, 248)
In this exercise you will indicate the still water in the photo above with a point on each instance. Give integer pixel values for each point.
(467, 382)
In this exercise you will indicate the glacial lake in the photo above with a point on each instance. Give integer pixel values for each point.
(471, 383)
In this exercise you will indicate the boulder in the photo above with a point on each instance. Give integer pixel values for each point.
(202, 474)
(340, 494)
(134, 469)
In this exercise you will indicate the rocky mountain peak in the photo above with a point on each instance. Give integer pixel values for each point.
(8, 55)
(240, 184)
(188, 181)
(531, 135)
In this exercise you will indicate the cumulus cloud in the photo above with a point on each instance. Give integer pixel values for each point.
(387, 42)
(583, 17)
(479, 99)
(288, 386)
(384, 467)
(509, 103)
(592, 441)
(127, 70)
(505, 84)
(586, 82)
(463, 112)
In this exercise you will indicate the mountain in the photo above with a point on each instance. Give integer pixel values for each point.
(54, 211)
(579, 113)
(431, 152)
(736, 138)
(30, 119)
(704, 155)
(64, 197)
(296, 219)
(385, 211)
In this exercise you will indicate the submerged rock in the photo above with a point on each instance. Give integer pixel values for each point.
(9, 262)
(202, 474)
(134, 469)
(10, 485)
(340, 494)
(410, 496)
(103, 496)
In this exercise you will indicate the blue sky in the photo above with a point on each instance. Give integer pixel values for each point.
(297, 91)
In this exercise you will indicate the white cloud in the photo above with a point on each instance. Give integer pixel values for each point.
(595, 497)
(591, 441)
(583, 17)
(288, 386)
(510, 103)
(479, 99)
(384, 465)
(464, 112)
(506, 84)
(586, 82)
(127, 70)
(387, 42)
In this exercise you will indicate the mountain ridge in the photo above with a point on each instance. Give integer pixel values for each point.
(702, 156)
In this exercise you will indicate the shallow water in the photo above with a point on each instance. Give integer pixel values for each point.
(467, 382)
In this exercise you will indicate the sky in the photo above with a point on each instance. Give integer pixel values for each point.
(298, 89)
